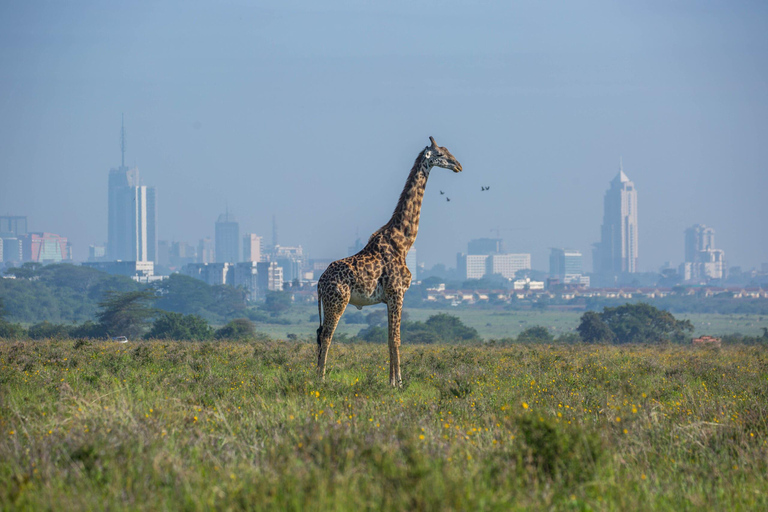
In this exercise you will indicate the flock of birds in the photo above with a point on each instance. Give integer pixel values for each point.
(482, 189)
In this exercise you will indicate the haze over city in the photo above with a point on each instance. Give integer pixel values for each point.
(314, 114)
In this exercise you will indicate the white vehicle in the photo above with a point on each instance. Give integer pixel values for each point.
(120, 339)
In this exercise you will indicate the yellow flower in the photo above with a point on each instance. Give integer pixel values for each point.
(525, 405)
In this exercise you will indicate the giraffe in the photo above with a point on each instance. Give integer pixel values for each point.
(378, 272)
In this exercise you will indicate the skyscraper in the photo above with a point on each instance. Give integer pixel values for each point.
(227, 239)
(702, 260)
(131, 215)
(251, 247)
(617, 250)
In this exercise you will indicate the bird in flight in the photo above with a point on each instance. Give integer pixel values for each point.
(448, 199)
(482, 188)
(442, 193)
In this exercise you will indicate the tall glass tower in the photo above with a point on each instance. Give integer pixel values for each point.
(131, 215)
(616, 252)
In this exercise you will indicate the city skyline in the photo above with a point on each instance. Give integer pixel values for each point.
(313, 113)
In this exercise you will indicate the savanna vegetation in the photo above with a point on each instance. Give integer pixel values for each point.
(229, 425)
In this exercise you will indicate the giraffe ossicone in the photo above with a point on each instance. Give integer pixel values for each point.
(378, 273)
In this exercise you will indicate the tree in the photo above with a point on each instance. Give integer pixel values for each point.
(277, 302)
(7, 329)
(536, 334)
(237, 329)
(632, 323)
(643, 323)
(126, 314)
(451, 328)
(592, 329)
(175, 326)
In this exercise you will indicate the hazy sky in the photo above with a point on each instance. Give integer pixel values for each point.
(315, 111)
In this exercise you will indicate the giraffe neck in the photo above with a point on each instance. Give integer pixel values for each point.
(404, 224)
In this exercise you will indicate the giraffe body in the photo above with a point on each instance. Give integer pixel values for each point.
(378, 273)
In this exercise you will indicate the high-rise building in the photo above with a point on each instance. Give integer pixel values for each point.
(616, 252)
(251, 247)
(227, 239)
(702, 260)
(12, 250)
(507, 265)
(205, 252)
(12, 226)
(471, 266)
(131, 215)
(44, 248)
(565, 262)
(565, 266)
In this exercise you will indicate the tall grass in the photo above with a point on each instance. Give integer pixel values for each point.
(171, 425)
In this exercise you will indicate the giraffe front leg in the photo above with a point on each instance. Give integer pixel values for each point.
(394, 310)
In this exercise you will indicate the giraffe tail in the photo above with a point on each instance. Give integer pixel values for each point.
(320, 317)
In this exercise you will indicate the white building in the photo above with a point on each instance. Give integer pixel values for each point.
(251, 248)
(507, 264)
(702, 260)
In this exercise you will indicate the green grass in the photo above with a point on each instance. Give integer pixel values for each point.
(499, 324)
(171, 425)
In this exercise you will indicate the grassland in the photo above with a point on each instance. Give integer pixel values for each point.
(172, 425)
(500, 323)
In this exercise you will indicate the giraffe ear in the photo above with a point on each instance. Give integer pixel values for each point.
(432, 140)
(427, 153)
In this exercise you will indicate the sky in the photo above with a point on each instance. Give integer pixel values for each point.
(315, 111)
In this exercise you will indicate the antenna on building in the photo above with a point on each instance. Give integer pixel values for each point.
(122, 139)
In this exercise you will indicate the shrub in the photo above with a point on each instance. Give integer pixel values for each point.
(175, 326)
(557, 452)
(237, 329)
(536, 334)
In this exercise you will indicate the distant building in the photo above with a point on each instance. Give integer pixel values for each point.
(44, 248)
(507, 265)
(227, 239)
(291, 260)
(12, 250)
(12, 226)
(205, 251)
(617, 250)
(131, 215)
(565, 265)
(246, 275)
(702, 260)
(181, 253)
(142, 271)
(12, 229)
(251, 248)
(211, 273)
(477, 266)
(485, 246)
(471, 266)
(270, 276)
(97, 252)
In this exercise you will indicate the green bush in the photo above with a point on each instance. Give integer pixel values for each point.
(560, 452)
(536, 334)
(237, 329)
(175, 326)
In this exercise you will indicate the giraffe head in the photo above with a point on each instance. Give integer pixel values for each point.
(437, 156)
